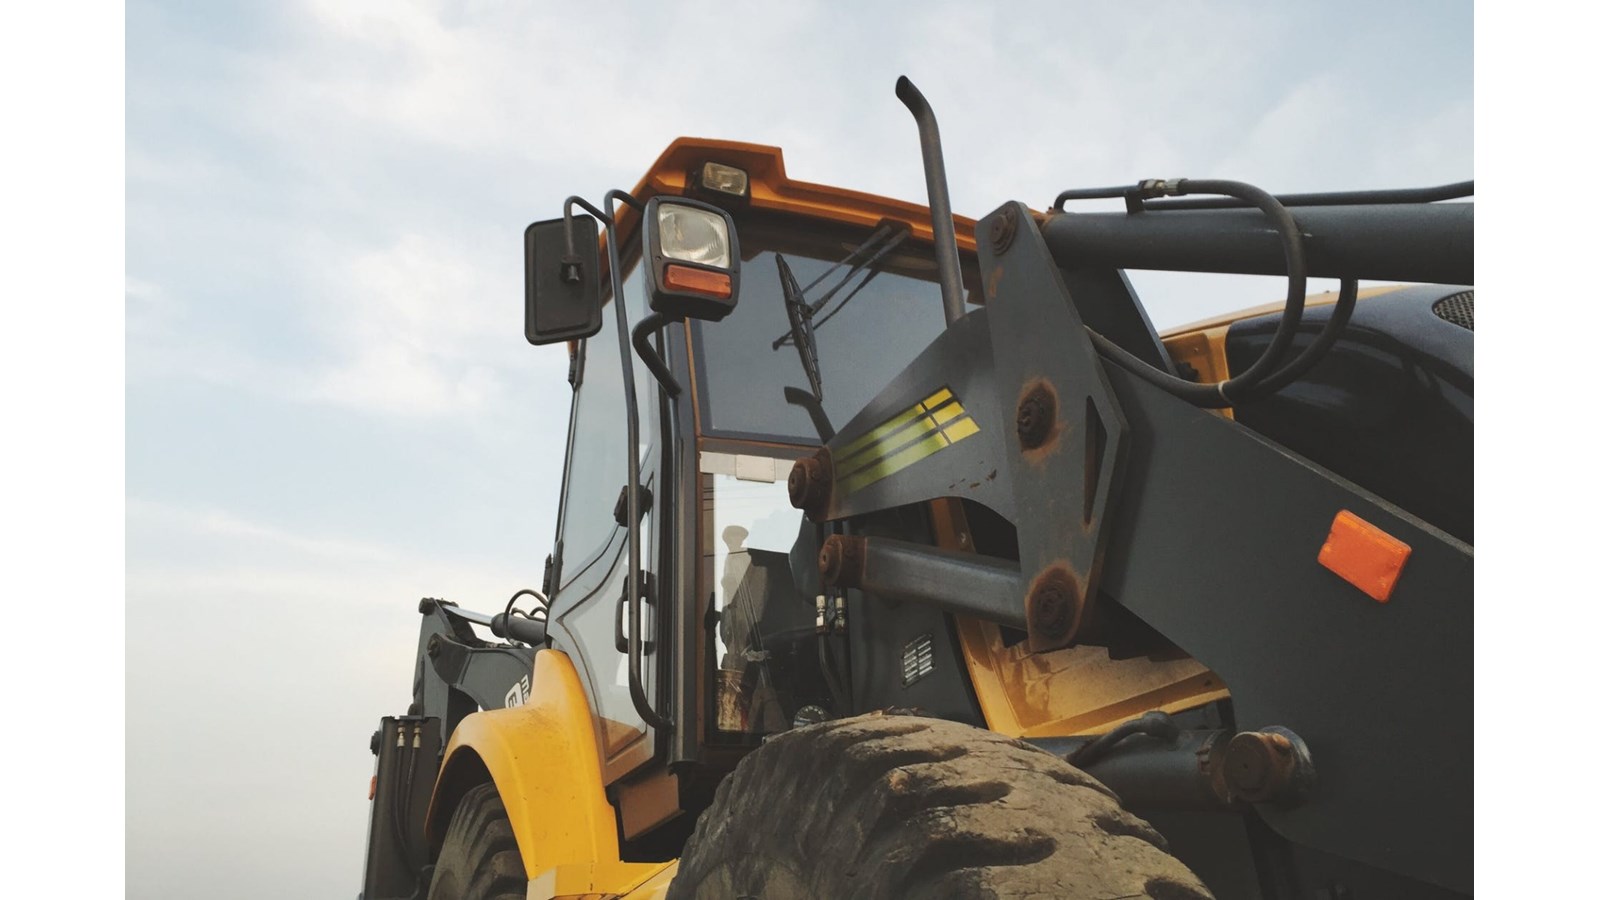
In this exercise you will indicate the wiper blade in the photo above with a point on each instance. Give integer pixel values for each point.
(794, 302)
(888, 236)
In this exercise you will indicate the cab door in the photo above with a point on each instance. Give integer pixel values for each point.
(587, 617)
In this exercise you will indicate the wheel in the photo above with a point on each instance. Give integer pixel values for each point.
(900, 806)
(479, 859)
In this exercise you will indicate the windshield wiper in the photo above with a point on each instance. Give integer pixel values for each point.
(794, 302)
(880, 244)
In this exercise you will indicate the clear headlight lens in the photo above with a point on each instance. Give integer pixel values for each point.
(692, 235)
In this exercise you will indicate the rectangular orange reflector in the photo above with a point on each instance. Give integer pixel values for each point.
(700, 281)
(1364, 555)
(372, 789)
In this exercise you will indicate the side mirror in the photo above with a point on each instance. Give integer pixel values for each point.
(562, 286)
(691, 259)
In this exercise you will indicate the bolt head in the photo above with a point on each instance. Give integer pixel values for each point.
(1258, 766)
(1036, 416)
(1052, 603)
(810, 484)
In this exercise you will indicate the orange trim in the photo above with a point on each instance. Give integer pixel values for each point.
(771, 189)
(700, 281)
(1364, 555)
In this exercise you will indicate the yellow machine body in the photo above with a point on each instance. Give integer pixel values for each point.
(541, 757)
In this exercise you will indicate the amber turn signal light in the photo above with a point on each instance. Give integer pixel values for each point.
(1364, 555)
(701, 281)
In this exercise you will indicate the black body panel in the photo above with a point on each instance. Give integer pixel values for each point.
(1389, 407)
(880, 630)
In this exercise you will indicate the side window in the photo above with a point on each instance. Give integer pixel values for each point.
(598, 466)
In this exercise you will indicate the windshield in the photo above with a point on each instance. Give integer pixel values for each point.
(884, 308)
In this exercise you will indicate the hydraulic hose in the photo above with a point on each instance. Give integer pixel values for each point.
(1313, 354)
(1247, 384)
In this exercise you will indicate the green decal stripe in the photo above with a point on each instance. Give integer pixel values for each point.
(871, 437)
(917, 409)
(908, 431)
(891, 463)
(922, 449)
(918, 428)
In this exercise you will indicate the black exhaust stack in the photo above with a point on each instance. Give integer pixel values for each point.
(944, 229)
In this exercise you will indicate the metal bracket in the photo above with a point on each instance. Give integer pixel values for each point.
(1069, 435)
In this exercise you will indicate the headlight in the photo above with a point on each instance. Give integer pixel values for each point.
(692, 235)
(725, 179)
(691, 258)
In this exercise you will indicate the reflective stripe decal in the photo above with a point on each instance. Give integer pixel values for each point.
(915, 434)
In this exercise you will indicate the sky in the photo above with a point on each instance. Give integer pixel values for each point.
(330, 408)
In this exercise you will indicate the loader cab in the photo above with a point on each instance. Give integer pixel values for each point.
(730, 627)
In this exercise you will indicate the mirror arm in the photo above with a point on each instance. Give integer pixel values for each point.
(642, 333)
(641, 703)
(571, 270)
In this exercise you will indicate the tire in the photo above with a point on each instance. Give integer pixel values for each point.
(479, 859)
(899, 806)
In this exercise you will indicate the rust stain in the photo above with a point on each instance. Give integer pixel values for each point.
(1039, 396)
(1054, 606)
(993, 286)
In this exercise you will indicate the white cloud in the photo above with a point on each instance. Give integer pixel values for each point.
(259, 659)
(419, 328)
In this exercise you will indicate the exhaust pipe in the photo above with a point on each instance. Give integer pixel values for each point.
(944, 229)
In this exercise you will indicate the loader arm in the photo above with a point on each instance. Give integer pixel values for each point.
(1210, 534)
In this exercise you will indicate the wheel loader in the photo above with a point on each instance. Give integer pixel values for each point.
(898, 555)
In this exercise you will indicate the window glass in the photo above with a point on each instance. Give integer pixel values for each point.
(863, 337)
(598, 468)
(765, 639)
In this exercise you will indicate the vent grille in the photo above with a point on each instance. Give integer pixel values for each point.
(1456, 309)
(916, 660)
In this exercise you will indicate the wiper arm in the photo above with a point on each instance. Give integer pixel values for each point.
(794, 302)
(888, 236)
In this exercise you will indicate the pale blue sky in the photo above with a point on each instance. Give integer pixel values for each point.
(330, 407)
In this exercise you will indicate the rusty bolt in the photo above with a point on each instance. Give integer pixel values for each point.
(1036, 416)
(1002, 230)
(1052, 603)
(433, 646)
(1258, 766)
(811, 484)
(843, 560)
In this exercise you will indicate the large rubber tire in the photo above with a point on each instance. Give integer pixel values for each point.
(479, 859)
(901, 806)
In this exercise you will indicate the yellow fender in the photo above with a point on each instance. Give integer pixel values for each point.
(544, 761)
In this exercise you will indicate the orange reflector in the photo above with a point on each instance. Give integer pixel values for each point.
(372, 789)
(1364, 555)
(701, 281)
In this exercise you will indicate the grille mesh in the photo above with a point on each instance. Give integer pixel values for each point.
(1456, 309)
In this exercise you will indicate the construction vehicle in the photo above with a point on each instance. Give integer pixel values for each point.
(898, 555)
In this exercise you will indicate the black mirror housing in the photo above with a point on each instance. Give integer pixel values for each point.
(562, 287)
(679, 285)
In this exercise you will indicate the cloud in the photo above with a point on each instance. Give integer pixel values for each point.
(422, 327)
(259, 659)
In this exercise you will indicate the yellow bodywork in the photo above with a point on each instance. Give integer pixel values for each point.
(542, 759)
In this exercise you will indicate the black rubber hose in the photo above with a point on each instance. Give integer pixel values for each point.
(1155, 723)
(1459, 190)
(1313, 354)
(1246, 385)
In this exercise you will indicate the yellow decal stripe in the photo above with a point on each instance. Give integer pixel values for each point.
(935, 423)
(961, 428)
